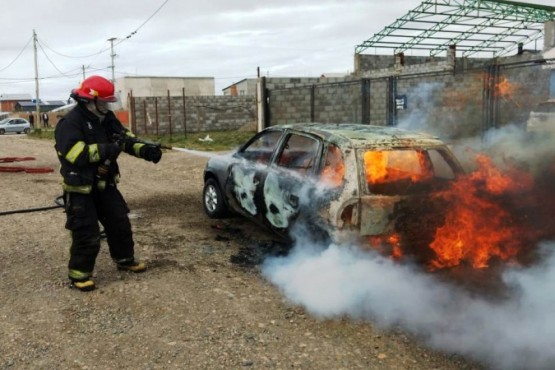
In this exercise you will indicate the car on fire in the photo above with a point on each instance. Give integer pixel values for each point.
(338, 180)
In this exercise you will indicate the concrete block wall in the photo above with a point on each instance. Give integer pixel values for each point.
(338, 103)
(450, 100)
(158, 115)
(375, 66)
(366, 63)
(447, 105)
(519, 91)
(378, 102)
(333, 102)
(290, 105)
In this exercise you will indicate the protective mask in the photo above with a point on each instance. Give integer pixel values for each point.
(98, 108)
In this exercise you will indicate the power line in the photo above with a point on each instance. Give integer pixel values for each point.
(50, 60)
(102, 50)
(145, 22)
(42, 45)
(18, 55)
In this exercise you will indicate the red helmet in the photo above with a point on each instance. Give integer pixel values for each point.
(95, 87)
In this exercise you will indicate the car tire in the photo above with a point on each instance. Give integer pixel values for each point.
(26, 131)
(213, 200)
(2, 131)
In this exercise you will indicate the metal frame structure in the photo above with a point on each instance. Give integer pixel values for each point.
(473, 26)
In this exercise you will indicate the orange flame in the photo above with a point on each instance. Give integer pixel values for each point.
(477, 228)
(505, 89)
(334, 170)
(389, 166)
(388, 245)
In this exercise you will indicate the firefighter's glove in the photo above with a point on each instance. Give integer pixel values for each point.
(127, 142)
(151, 153)
(109, 151)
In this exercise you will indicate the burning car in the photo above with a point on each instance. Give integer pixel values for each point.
(338, 180)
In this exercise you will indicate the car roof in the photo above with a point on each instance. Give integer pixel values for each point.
(364, 136)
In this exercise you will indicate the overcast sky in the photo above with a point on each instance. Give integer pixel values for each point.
(226, 40)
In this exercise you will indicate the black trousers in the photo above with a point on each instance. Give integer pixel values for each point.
(84, 212)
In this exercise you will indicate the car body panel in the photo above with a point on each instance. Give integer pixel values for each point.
(276, 189)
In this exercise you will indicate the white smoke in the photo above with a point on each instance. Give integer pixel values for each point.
(419, 120)
(514, 333)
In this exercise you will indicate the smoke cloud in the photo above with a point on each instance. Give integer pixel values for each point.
(516, 332)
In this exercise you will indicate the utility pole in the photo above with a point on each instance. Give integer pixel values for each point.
(37, 104)
(113, 55)
(83, 72)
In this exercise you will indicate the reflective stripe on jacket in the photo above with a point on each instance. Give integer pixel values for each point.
(79, 137)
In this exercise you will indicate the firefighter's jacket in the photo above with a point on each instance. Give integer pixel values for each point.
(80, 138)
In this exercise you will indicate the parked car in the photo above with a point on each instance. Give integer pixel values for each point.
(17, 125)
(338, 180)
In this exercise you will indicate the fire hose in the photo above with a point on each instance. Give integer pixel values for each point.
(59, 204)
(22, 168)
(59, 200)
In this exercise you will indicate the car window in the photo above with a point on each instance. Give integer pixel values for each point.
(442, 169)
(404, 171)
(299, 153)
(333, 171)
(261, 149)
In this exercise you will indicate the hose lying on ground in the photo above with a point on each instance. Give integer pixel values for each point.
(59, 204)
(22, 168)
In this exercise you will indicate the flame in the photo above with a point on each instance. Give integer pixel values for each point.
(389, 166)
(488, 216)
(387, 245)
(505, 89)
(477, 227)
(334, 170)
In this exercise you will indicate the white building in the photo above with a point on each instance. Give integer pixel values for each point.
(145, 86)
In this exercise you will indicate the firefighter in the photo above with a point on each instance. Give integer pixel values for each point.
(88, 141)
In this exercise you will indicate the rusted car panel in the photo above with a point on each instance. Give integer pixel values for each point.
(346, 180)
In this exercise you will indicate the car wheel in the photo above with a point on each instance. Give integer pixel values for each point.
(214, 203)
(27, 130)
(2, 131)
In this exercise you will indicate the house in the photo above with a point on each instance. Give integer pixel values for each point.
(244, 87)
(147, 86)
(45, 106)
(9, 101)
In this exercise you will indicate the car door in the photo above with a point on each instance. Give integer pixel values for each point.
(18, 125)
(10, 125)
(246, 174)
(286, 188)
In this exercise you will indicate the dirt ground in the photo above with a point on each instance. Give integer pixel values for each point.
(194, 309)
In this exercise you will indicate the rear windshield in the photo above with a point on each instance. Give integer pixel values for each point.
(405, 171)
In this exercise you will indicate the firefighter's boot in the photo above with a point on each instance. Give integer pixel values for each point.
(131, 264)
(81, 280)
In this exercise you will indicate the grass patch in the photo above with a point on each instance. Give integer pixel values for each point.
(40, 133)
(221, 140)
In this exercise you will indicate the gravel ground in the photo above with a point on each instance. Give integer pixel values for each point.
(193, 309)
